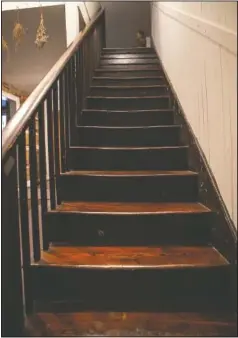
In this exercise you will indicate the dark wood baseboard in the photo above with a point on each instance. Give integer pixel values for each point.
(224, 233)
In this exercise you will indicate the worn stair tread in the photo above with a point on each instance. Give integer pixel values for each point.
(128, 78)
(116, 70)
(164, 257)
(131, 208)
(130, 173)
(173, 126)
(127, 88)
(128, 111)
(129, 56)
(127, 97)
(130, 148)
(48, 323)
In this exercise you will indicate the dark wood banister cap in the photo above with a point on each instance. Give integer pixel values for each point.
(19, 121)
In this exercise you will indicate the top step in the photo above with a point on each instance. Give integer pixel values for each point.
(135, 50)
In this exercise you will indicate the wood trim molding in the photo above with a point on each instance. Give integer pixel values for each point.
(218, 34)
(224, 232)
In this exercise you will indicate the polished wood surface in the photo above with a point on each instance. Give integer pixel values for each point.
(133, 257)
(132, 208)
(131, 324)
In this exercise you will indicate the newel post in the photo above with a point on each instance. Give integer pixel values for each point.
(12, 295)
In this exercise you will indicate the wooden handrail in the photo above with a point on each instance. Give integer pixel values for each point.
(23, 115)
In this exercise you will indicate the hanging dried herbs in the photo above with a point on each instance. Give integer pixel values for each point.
(5, 47)
(41, 34)
(18, 31)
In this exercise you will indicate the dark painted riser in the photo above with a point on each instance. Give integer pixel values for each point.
(129, 62)
(137, 67)
(128, 137)
(128, 91)
(127, 73)
(128, 56)
(143, 50)
(164, 290)
(125, 189)
(126, 159)
(97, 102)
(136, 230)
(126, 118)
(128, 81)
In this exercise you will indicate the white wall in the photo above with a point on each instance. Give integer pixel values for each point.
(197, 44)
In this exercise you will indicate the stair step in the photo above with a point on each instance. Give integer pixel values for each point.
(106, 136)
(128, 62)
(168, 277)
(128, 91)
(128, 72)
(129, 186)
(117, 103)
(141, 258)
(91, 117)
(132, 67)
(124, 158)
(141, 50)
(128, 56)
(128, 81)
(110, 223)
(48, 323)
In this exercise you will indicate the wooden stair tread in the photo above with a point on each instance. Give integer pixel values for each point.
(129, 173)
(131, 324)
(131, 208)
(129, 148)
(127, 111)
(128, 97)
(127, 88)
(174, 126)
(127, 78)
(132, 257)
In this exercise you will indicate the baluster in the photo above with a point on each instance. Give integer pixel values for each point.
(50, 126)
(33, 189)
(72, 114)
(66, 111)
(24, 217)
(78, 87)
(12, 296)
(62, 123)
(56, 138)
(43, 178)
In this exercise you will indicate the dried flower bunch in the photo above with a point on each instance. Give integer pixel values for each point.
(41, 35)
(4, 45)
(18, 31)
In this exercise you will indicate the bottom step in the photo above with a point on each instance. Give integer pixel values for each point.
(130, 324)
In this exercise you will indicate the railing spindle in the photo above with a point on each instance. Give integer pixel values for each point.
(43, 177)
(50, 135)
(67, 110)
(56, 139)
(24, 217)
(34, 190)
(62, 123)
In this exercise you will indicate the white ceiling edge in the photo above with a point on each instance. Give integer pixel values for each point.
(8, 5)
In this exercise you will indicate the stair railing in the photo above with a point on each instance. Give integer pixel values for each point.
(51, 112)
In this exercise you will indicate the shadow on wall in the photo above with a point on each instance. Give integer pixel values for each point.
(123, 20)
(26, 67)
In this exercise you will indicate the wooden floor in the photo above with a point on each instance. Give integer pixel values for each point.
(131, 324)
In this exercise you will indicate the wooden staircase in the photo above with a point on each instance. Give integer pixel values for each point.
(130, 248)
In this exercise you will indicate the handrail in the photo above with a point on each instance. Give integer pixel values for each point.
(19, 121)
